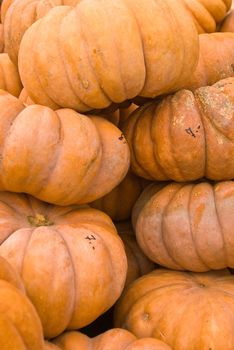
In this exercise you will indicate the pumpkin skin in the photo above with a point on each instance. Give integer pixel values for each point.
(50, 346)
(138, 263)
(119, 202)
(109, 75)
(20, 15)
(62, 164)
(189, 226)
(1, 38)
(114, 339)
(185, 310)
(228, 23)
(9, 76)
(186, 136)
(87, 268)
(216, 60)
(20, 327)
(206, 14)
(4, 8)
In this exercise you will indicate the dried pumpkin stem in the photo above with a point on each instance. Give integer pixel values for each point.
(39, 220)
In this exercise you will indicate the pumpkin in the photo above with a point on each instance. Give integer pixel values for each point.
(51, 346)
(185, 310)
(119, 202)
(20, 327)
(65, 157)
(228, 23)
(1, 38)
(78, 58)
(206, 14)
(216, 60)
(189, 226)
(186, 136)
(71, 260)
(9, 76)
(5, 4)
(20, 15)
(114, 339)
(138, 263)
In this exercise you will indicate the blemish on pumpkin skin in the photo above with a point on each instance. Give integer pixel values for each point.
(145, 316)
(198, 214)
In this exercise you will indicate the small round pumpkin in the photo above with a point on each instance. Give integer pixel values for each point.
(72, 261)
(228, 23)
(20, 327)
(119, 202)
(138, 263)
(188, 226)
(186, 136)
(185, 310)
(114, 339)
(91, 58)
(61, 157)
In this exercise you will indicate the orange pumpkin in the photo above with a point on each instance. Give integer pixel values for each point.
(9, 76)
(20, 327)
(228, 23)
(114, 339)
(189, 226)
(51, 346)
(65, 157)
(138, 263)
(186, 136)
(216, 60)
(71, 260)
(185, 310)
(206, 14)
(119, 202)
(78, 58)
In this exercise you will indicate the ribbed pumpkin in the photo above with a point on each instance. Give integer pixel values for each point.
(189, 226)
(207, 13)
(78, 58)
(20, 327)
(187, 136)
(138, 263)
(216, 60)
(114, 339)
(228, 23)
(20, 15)
(119, 202)
(186, 310)
(71, 260)
(9, 76)
(61, 157)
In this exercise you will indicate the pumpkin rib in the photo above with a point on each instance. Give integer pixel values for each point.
(25, 251)
(60, 233)
(225, 251)
(162, 230)
(193, 236)
(17, 332)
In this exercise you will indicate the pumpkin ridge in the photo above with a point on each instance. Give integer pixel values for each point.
(155, 150)
(162, 230)
(60, 233)
(191, 230)
(91, 61)
(25, 250)
(225, 251)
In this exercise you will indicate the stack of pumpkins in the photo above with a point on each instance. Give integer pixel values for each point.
(111, 110)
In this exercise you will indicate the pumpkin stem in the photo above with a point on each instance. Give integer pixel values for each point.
(39, 220)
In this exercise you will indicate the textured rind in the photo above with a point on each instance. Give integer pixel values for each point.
(187, 311)
(188, 226)
(100, 70)
(186, 136)
(65, 158)
(87, 263)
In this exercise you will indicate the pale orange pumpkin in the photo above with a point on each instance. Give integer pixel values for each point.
(114, 339)
(78, 58)
(71, 260)
(9, 76)
(61, 157)
(20, 326)
(185, 310)
(186, 136)
(188, 226)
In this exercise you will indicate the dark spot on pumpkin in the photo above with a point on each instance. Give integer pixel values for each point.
(90, 237)
(202, 285)
(93, 247)
(232, 65)
(122, 138)
(145, 316)
(190, 132)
